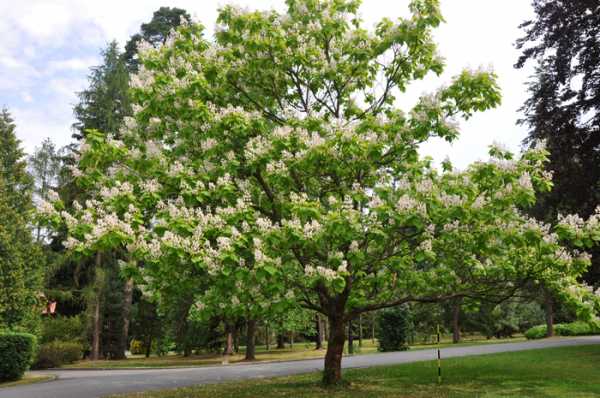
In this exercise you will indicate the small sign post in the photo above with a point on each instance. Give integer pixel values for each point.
(439, 356)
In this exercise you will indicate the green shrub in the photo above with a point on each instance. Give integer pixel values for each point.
(536, 332)
(395, 328)
(137, 347)
(63, 328)
(578, 328)
(16, 354)
(57, 353)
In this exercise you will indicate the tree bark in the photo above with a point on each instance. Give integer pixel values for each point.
(373, 328)
(126, 314)
(280, 341)
(236, 339)
(229, 340)
(267, 337)
(350, 339)
(456, 320)
(332, 373)
(319, 337)
(360, 332)
(97, 324)
(251, 340)
(549, 310)
(148, 346)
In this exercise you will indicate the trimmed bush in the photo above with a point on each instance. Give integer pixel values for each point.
(57, 353)
(16, 354)
(395, 328)
(136, 347)
(578, 328)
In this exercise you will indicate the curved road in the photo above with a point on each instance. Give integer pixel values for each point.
(98, 383)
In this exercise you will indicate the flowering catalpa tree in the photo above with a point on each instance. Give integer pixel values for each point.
(274, 163)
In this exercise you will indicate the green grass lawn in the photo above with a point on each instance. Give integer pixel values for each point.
(27, 379)
(298, 352)
(572, 372)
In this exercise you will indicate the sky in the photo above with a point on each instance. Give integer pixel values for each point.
(48, 46)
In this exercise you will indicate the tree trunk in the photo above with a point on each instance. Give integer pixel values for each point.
(267, 337)
(97, 322)
(373, 328)
(236, 339)
(126, 314)
(148, 346)
(292, 340)
(549, 309)
(251, 340)
(319, 325)
(455, 320)
(332, 373)
(360, 336)
(280, 341)
(229, 340)
(350, 339)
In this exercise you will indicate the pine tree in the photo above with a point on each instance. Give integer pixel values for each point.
(104, 104)
(563, 107)
(20, 259)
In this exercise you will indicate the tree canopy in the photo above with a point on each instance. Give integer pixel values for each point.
(276, 157)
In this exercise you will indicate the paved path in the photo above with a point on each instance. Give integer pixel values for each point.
(98, 383)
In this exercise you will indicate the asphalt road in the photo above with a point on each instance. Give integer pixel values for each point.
(99, 383)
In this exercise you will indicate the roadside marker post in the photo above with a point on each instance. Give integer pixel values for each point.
(439, 356)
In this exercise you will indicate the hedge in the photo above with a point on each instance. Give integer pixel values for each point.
(16, 354)
(578, 328)
(57, 353)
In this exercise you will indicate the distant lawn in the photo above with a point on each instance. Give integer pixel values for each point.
(298, 352)
(572, 372)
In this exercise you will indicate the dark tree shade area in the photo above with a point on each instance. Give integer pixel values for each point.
(154, 32)
(564, 104)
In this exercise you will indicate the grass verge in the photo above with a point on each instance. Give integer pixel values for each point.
(28, 379)
(548, 373)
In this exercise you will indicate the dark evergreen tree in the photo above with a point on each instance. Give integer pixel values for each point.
(105, 103)
(154, 32)
(564, 104)
(20, 260)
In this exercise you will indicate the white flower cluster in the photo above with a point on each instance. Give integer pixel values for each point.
(120, 189)
(319, 271)
(407, 204)
(449, 200)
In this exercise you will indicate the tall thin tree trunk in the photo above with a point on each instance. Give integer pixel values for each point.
(251, 340)
(97, 322)
(319, 325)
(360, 332)
(332, 374)
(126, 314)
(267, 337)
(549, 312)
(350, 339)
(229, 340)
(280, 341)
(456, 320)
(236, 338)
(148, 345)
(292, 340)
(373, 328)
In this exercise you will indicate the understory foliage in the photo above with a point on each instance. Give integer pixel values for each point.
(578, 328)
(271, 169)
(395, 328)
(16, 354)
